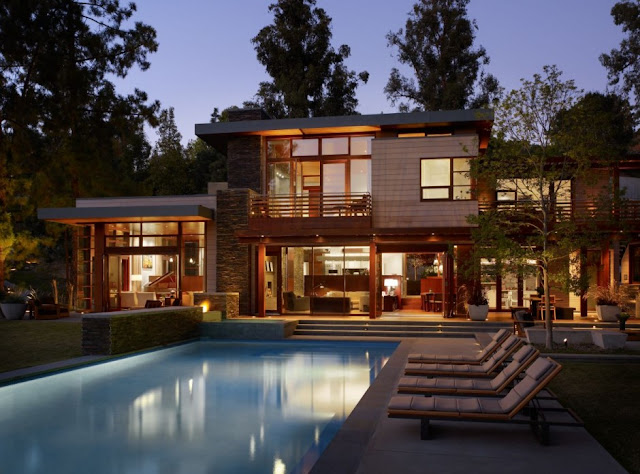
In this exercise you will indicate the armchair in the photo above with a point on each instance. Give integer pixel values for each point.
(295, 303)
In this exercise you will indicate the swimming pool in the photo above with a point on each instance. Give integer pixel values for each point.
(203, 407)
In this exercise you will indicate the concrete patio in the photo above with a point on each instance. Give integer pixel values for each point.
(370, 443)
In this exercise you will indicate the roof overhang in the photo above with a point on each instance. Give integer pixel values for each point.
(218, 133)
(92, 215)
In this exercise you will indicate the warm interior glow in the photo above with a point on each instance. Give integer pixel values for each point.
(205, 306)
(391, 282)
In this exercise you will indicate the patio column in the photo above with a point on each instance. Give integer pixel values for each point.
(99, 287)
(448, 289)
(373, 296)
(262, 251)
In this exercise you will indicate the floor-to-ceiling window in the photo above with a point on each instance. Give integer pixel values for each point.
(327, 279)
(304, 166)
(157, 260)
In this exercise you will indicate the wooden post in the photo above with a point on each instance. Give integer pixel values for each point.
(99, 286)
(262, 251)
(372, 280)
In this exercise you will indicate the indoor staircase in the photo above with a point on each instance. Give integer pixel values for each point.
(385, 328)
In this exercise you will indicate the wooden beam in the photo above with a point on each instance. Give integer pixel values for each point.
(261, 260)
(372, 280)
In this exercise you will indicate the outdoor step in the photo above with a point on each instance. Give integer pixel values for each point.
(378, 328)
(396, 327)
(494, 325)
(377, 333)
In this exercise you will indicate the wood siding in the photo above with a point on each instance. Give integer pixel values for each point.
(396, 182)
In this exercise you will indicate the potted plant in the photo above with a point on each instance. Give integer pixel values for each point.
(13, 305)
(608, 299)
(622, 320)
(477, 303)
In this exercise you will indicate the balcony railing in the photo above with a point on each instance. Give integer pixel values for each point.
(579, 210)
(311, 205)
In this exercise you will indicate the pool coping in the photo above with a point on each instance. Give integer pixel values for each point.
(348, 447)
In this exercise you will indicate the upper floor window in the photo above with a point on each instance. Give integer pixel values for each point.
(283, 148)
(444, 178)
(528, 190)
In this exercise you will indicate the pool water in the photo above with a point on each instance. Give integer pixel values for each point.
(204, 407)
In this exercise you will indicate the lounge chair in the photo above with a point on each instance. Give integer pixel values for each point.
(471, 386)
(485, 369)
(504, 409)
(497, 340)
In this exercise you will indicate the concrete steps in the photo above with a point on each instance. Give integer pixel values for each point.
(383, 328)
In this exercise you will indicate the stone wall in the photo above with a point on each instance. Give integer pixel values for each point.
(233, 257)
(227, 303)
(244, 163)
(127, 331)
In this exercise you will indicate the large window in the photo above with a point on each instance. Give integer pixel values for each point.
(302, 166)
(444, 178)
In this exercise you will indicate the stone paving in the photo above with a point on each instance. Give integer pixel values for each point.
(371, 443)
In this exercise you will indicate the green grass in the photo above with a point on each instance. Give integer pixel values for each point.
(605, 395)
(28, 343)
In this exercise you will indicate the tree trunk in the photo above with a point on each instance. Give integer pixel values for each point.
(547, 309)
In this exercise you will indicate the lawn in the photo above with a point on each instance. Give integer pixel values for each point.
(28, 343)
(605, 395)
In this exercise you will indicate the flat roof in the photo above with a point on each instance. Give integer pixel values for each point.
(215, 132)
(91, 215)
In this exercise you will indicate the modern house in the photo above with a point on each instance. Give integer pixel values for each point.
(351, 215)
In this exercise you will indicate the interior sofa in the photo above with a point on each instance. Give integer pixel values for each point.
(136, 299)
(330, 304)
(295, 303)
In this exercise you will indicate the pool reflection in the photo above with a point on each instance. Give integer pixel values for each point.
(233, 407)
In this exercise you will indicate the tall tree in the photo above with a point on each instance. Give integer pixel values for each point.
(437, 43)
(623, 64)
(309, 76)
(541, 144)
(206, 165)
(62, 125)
(168, 167)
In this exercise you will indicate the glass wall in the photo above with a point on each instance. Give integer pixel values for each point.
(162, 261)
(304, 166)
(327, 280)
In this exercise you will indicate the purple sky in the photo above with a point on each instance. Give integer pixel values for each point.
(206, 59)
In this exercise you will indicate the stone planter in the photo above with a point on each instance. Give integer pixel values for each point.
(478, 312)
(13, 311)
(607, 312)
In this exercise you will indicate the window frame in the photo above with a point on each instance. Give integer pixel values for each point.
(451, 185)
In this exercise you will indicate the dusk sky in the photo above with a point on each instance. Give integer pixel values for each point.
(206, 59)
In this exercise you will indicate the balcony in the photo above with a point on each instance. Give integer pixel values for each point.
(318, 211)
(608, 216)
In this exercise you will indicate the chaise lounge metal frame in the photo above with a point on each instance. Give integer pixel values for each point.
(518, 406)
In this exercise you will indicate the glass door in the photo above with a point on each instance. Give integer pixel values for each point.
(114, 280)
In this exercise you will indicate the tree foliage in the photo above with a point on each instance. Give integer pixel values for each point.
(176, 170)
(310, 78)
(437, 44)
(541, 144)
(64, 131)
(623, 64)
